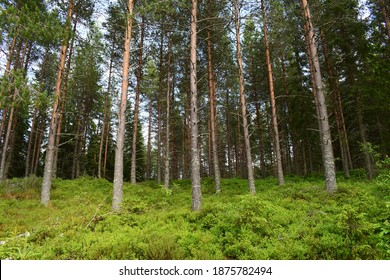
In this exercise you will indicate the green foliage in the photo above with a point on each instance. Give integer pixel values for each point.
(298, 221)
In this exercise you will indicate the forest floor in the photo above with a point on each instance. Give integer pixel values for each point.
(296, 221)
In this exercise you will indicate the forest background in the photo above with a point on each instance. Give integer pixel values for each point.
(163, 91)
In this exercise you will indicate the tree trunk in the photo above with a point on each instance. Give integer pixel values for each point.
(48, 170)
(251, 180)
(159, 108)
(212, 91)
(118, 168)
(30, 140)
(3, 174)
(273, 103)
(149, 145)
(326, 139)
(106, 108)
(337, 106)
(12, 143)
(133, 175)
(63, 98)
(106, 145)
(195, 161)
(167, 121)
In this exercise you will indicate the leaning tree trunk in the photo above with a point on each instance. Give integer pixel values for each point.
(63, 98)
(326, 139)
(106, 113)
(118, 167)
(195, 161)
(251, 180)
(273, 103)
(48, 170)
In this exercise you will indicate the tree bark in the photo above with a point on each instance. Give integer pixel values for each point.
(106, 108)
(160, 93)
(167, 121)
(195, 161)
(326, 139)
(30, 140)
(251, 180)
(63, 98)
(273, 103)
(149, 145)
(118, 168)
(48, 170)
(212, 92)
(133, 175)
(3, 173)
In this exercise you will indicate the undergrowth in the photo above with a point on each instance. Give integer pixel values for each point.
(296, 221)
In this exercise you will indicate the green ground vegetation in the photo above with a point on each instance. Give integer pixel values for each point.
(297, 221)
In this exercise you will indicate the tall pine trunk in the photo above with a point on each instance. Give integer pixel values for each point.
(273, 103)
(63, 98)
(133, 175)
(326, 139)
(159, 113)
(48, 170)
(118, 167)
(251, 180)
(212, 91)
(106, 121)
(167, 121)
(195, 160)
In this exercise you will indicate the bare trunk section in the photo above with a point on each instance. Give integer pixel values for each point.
(63, 98)
(337, 106)
(273, 103)
(133, 175)
(118, 168)
(106, 121)
(167, 121)
(106, 144)
(195, 160)
(30, 141)
(149, 145)
(160, 93)
(326, 139)
(3, 173)
(48, 170)
(212, 91)
(251, 180)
